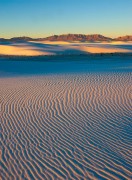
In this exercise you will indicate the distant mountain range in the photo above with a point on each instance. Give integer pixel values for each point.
(124, 38)
(70, 37)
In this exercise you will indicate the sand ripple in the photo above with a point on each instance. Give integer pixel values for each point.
(66, 127)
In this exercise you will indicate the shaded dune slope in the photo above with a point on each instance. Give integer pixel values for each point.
(66, 127)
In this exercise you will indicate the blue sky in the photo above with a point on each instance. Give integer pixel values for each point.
(40, 18)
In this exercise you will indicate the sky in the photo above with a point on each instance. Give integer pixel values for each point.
(41, 18)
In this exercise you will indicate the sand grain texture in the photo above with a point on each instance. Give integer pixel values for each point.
(66, 127)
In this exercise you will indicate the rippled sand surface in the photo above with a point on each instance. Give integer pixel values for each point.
(66, 126)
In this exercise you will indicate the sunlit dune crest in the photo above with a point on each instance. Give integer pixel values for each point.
(78, 42)
(52, 42)
(103, 49)
(121, 42)
(24, 51)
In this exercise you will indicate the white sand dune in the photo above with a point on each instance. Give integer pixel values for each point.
(98, 49)
(25, 50)
(121, 42)
(66, 127)
(53, 42)
(35, 48)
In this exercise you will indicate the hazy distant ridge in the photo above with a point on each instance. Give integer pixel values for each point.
(71, 37)
(124, 38)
